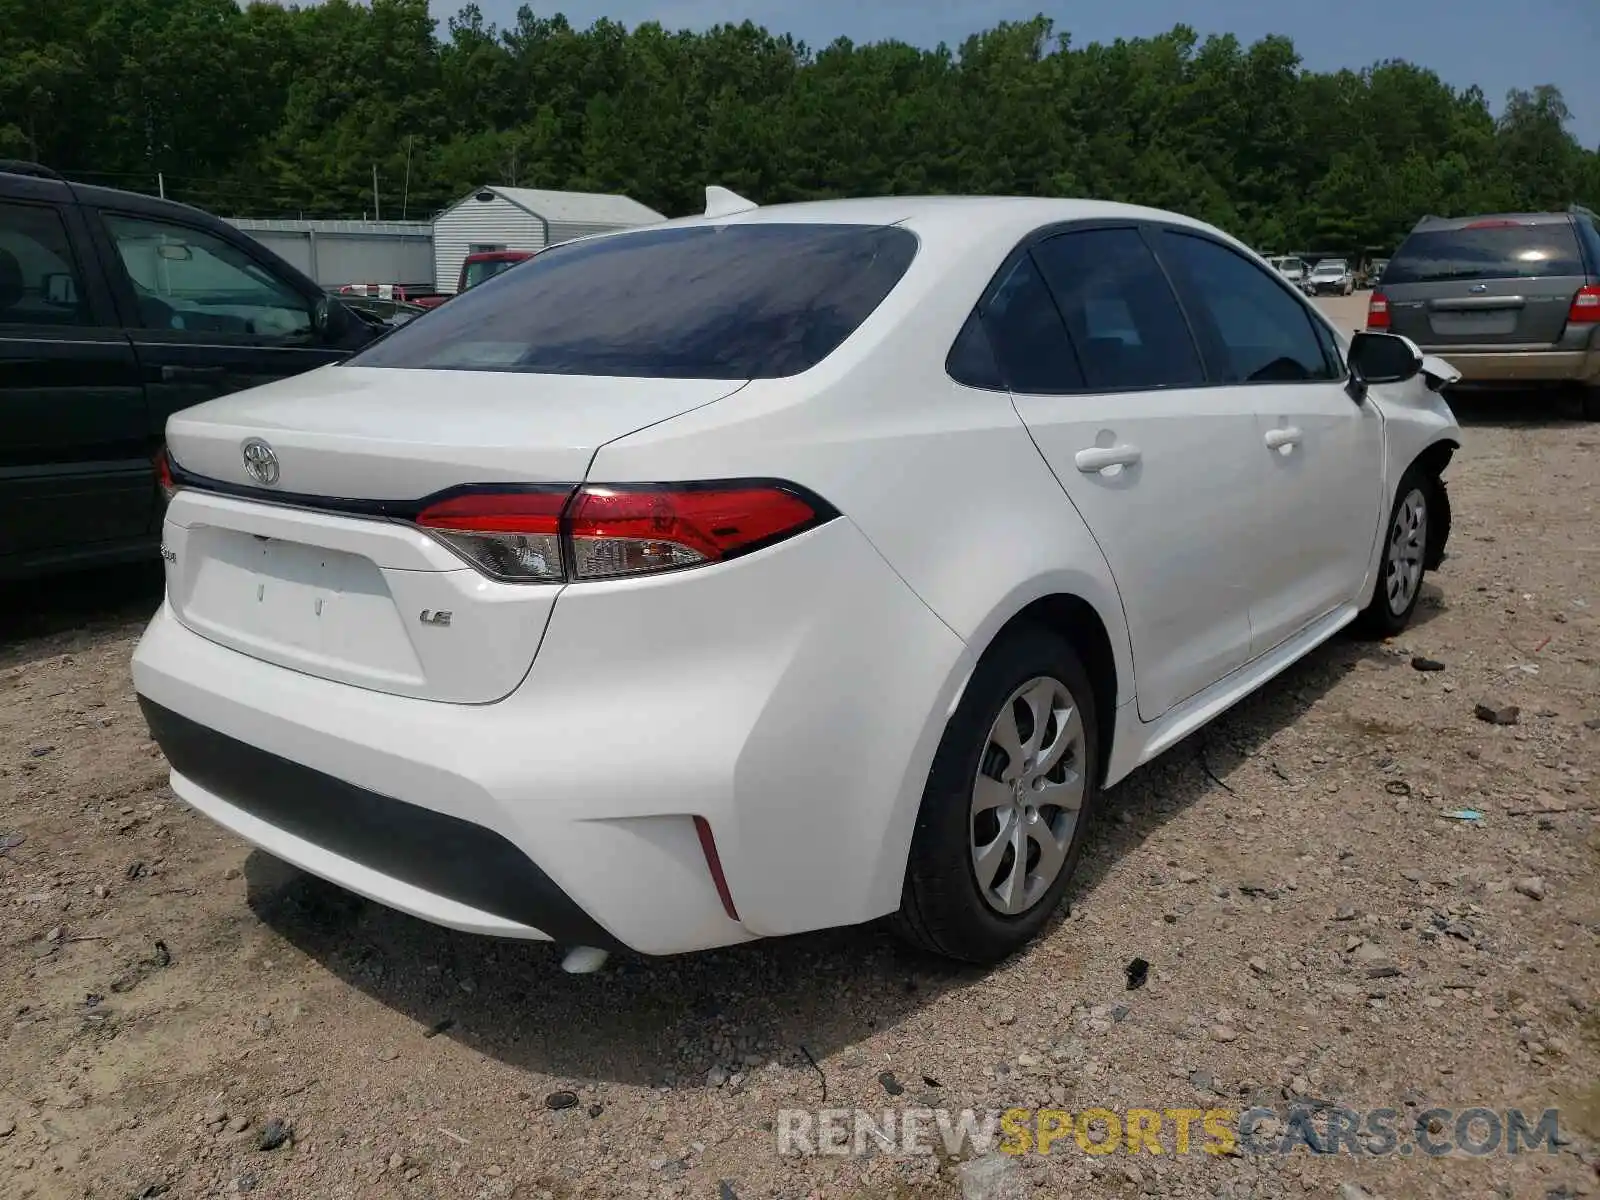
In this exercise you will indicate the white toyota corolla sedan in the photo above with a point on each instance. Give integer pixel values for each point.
(778, 568)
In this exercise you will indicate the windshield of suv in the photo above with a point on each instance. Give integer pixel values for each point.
(1509, 250)
(741, 301)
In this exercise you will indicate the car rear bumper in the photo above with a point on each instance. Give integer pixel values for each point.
(413, 858)
(1499, 365)
(792, 699)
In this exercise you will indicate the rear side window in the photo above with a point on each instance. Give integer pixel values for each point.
(1120, 311)
(1263, 333)
(1028, 339)
(754, 301)
(971, 359)
(39, 283)
(1494, 250)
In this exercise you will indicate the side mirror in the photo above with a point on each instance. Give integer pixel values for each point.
(329, 318)
(1383, 358)
(61, 289)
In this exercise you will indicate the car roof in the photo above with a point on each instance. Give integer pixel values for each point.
(65, 191)
(1013, 214)
(950, 228)
(1453, 223)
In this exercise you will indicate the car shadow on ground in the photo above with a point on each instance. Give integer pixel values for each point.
(44, 617)
(1514, 409)
(1203, 763)
(815, 994)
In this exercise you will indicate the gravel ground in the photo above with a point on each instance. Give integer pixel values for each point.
(188, 1018)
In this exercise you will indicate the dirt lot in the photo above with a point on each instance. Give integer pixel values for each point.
(1316, 931)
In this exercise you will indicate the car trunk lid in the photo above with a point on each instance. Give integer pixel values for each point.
(1523, 312)
(320, 570)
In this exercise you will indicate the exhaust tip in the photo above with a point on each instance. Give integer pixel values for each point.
(584, 960)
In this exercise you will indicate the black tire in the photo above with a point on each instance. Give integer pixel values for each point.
(1589, 403)
(942, 906)
(1381, 619)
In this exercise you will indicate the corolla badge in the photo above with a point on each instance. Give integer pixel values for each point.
(260, 461)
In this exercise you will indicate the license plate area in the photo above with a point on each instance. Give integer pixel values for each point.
(1487, 322)
(325, 611)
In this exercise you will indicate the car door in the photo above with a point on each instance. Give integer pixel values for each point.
(1321, 447)
(208, 315)
(75, 438)
(1105, 374)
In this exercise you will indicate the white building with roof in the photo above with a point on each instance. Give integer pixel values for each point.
(514, 218)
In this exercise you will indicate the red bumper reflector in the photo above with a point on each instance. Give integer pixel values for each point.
(708, 846)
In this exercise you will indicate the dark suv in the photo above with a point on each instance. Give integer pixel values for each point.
(117, 310)
(1510, 300)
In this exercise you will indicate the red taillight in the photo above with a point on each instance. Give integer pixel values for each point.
(1378, 311)
(1585, 308)
(164, 480)
(557, 534)
(618, 531)
(514, 536)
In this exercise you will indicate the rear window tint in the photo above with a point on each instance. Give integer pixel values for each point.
(1492, 252)
(754, 301)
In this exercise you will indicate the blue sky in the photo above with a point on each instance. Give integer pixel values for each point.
(1497, 44)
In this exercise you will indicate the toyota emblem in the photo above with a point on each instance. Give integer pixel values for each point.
(260, 462)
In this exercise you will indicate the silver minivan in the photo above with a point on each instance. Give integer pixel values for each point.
(1509, 300)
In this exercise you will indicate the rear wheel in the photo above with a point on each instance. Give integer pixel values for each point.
(1589, 400)
(1006, 804)
(1405, 558)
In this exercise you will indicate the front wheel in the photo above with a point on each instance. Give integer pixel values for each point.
(1006, 804)
(1404, 561)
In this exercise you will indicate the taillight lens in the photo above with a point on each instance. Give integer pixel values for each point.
(596, 532)
(514, 536)
(1585, 308)
(1378, 311)
(164, 480)
(617, 531)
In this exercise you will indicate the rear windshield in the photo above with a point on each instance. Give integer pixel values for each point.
(736, 301)
(1490, 252)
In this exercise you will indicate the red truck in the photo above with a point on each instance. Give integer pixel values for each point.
(486, 264)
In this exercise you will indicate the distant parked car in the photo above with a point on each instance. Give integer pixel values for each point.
(117, 310)
(486, 264)
(420, 295)
(778, 569)
(1331, 277)
(1291, 268)
(1509, 300)
(387, 314)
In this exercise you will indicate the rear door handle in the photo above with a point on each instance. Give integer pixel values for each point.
(1283, 439)
(171, 374)
(1100, 459)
